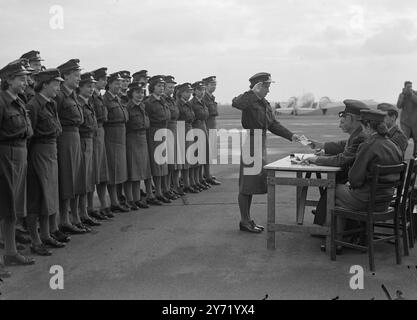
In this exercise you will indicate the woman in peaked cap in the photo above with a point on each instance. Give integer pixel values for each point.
(257, 116)
(43, 195)
(100, 166)
(159, 115)
(15, 129)
(69, 146)
(87, 133)
(186, 118)
(115, 140)
(201, 113)
(173, 167)
(138, 161)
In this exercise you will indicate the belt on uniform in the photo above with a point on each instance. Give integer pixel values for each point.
(70, 129)
(14, 143)
(140, 131)
(43, 140)
(160, 125)
(252, 132)
(115, 124)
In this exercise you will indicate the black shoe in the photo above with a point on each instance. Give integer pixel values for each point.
(142, 205)
(203, 186)
(142, 193)
(119, 209)
(154, 202)
(213, 181)
(90, 222)
(205, 183)
(60, 236)
(107, 213)
(133, 206)
(163, 199)
(196, 188)
(82, 226)
(17, 260)
(52, 243)
(190, 190)
(314, 212)
(170, 196)
(180, 193)
(98, 216)
(249, 228)
(40, 250)
(254, 225)
(71, 229)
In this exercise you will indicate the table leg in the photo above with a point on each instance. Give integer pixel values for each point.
(271, 245)
(301, 199)
(331, 196)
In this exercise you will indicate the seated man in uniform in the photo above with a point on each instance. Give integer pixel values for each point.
(394, 132)
(341, 153)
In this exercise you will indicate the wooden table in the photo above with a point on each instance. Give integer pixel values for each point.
(302, 182)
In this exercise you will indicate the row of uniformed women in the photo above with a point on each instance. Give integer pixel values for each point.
(83, 140)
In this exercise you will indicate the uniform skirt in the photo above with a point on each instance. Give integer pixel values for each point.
(254, 180)
(182, 152)
(211, 123)
(100, 166)
(86, 168)
(158, 170)
(115, 140)
(137, 155)
(13, 169)
(42, 180)
(173, 164)
(201, 125)
(69, 162)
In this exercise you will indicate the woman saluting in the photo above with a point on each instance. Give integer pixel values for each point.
(257, 114)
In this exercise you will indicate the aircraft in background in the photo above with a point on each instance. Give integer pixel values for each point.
(306, 105)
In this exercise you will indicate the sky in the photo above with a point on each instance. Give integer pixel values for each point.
(359, 49)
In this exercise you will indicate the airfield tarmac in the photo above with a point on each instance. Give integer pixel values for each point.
(192, 249)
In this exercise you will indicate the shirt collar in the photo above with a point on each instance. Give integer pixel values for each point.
(112, 95)
(12, 96)
(156, 97)
(66, 90)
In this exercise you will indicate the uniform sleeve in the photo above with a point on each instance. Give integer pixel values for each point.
(241, 102)
(33, 114)
(335, 148)
(414, 97)
(279, 130)
(198, 111)
(345, 158)
(400, 140)
(358, 172)
(400, 102)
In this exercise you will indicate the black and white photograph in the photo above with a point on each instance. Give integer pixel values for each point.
(209, 156)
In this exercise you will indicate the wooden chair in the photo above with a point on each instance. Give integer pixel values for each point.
(379, 185)
(407, 204)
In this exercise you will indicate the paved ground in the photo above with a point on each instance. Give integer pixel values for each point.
(193, 250)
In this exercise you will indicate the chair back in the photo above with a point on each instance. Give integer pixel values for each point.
(386, 187)
(410, 181)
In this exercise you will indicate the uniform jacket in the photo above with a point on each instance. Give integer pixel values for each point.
(138, 118)
(99, 108)
(158, 112)
(117, 114)
(173, 108)
(210, 101)
(186, 112)
(15, 123)
(399, 138)
(69, 111)
(342, 153)
(257, 114)
(201, 112)
(377, 150)
(44, 117)
(89, 126)
(408, 105)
